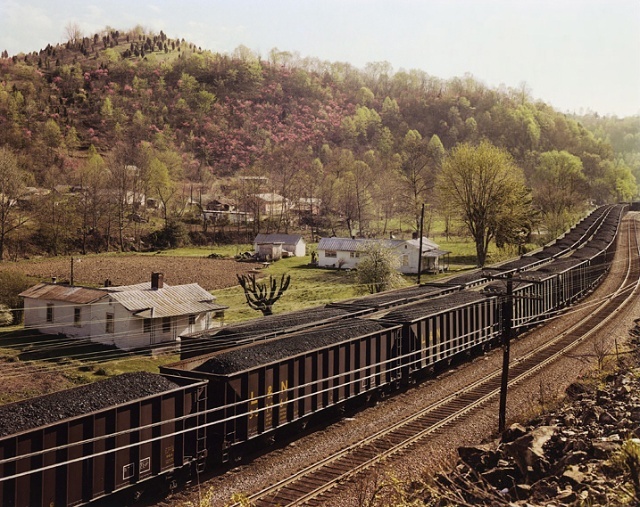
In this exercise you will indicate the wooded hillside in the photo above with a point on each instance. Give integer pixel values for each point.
(131, 114)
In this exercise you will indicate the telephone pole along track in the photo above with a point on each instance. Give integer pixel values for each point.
(313, 485)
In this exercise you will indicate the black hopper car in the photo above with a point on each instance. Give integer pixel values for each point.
(115, 436)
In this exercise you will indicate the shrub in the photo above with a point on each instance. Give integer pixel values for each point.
(6, 317)
(11, 285)
(173, 235)
(377, 269)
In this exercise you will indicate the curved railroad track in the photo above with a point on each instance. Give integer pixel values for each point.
(314, 484)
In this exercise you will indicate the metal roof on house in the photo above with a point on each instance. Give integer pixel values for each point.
(137, 286)
(67, 293)
(436, 253)
(270, 197)
(342, 244)
(427, 244)
(167, 302)
(429, 248)
(287, 239)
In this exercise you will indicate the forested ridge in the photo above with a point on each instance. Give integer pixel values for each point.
(135, 113)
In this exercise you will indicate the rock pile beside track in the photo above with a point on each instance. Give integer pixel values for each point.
(35, 412)
(585, 453)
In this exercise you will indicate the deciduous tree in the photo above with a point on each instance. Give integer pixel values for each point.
(417, 173)
(12, 187)
(486, 189)
(559, 189)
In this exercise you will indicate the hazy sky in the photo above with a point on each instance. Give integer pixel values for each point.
(577, 55)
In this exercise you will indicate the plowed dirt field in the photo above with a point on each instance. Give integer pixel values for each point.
(128, 269)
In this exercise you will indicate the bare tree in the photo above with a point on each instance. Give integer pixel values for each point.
(73, 33)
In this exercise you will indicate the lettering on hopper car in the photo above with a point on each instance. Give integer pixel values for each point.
(253, 406)
(168, 455)
(145, 465)
(268, 402)
(284, 387)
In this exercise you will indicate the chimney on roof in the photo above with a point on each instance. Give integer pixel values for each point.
(107, 283)
(54, 279)
(414, 235)
(157, 281)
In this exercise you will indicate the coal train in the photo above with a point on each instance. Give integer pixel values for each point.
(114, 437)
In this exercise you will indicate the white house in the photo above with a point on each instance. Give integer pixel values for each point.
(345, 253)
(234, 217)
(129, 317)
(272, 204)
(293, 244)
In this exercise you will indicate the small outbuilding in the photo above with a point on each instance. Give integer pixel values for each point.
(289, 245)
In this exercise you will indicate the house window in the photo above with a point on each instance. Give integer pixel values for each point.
(146, 326)
(77, 317)
(405, 260)
(108, 328)
(192, 320)
(49, 312)
(166, 324)
(330, 253)
(354, 255)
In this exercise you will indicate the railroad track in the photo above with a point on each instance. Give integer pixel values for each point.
(313, 485)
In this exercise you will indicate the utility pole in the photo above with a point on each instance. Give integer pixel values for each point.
(506, 310)
(507, 327)
(420, 244)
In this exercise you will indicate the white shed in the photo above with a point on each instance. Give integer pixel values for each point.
(294, 244)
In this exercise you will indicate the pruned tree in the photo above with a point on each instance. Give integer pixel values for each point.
(260, 296)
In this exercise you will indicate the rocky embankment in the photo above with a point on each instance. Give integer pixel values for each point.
(585, 453)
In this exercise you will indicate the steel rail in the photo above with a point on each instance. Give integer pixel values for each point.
(309, 482)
